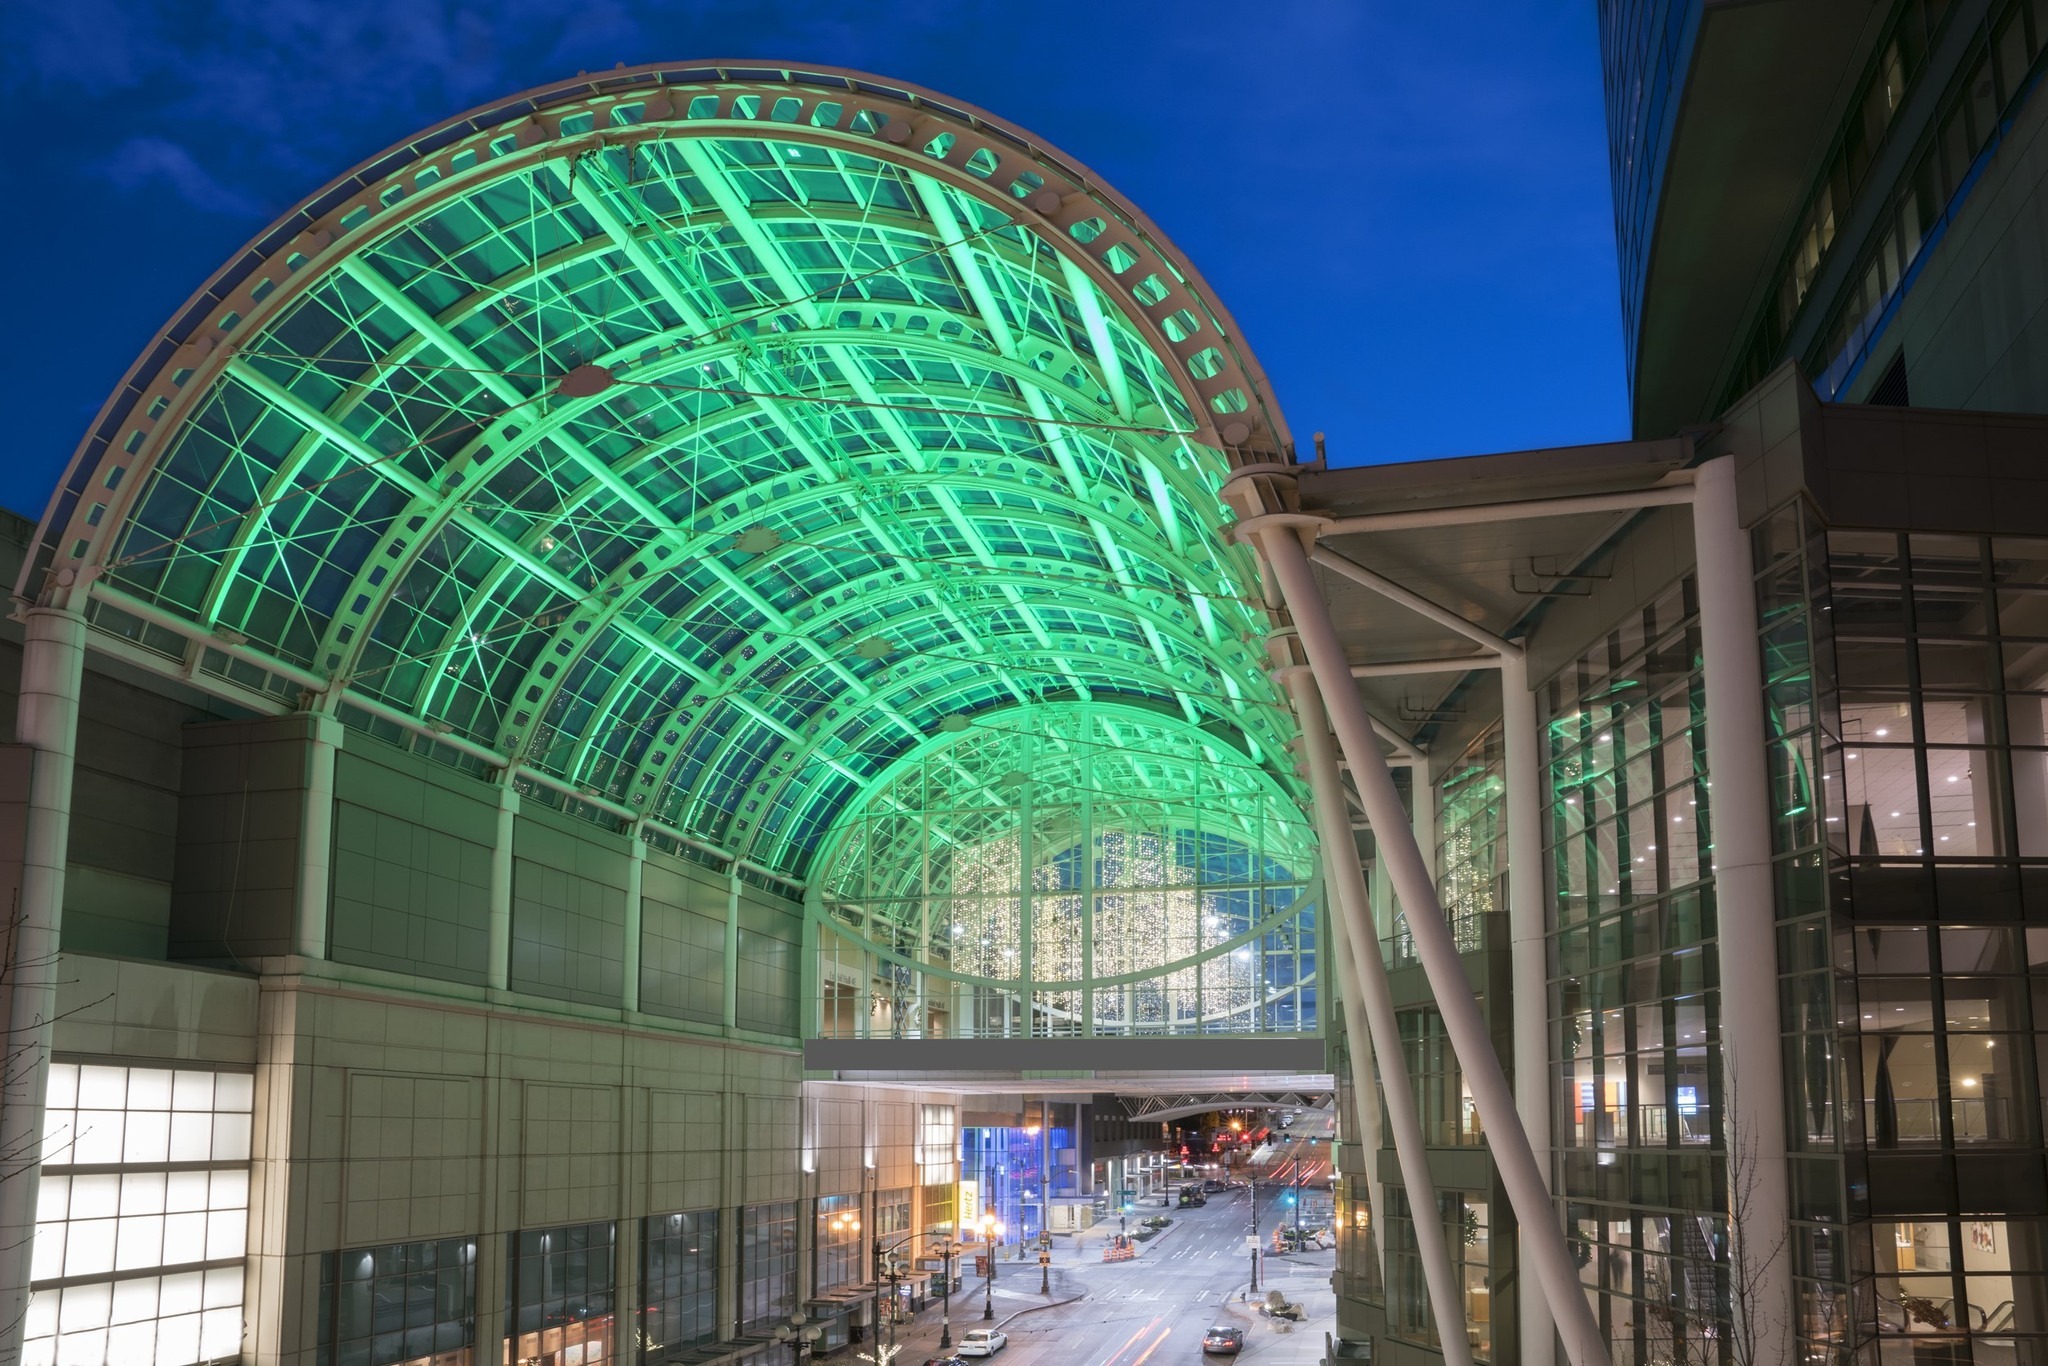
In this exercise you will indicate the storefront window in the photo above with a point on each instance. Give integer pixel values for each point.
(409, 1305)
(558, 1294)
(679, 1279)
(767, 1265)
(838, 1242)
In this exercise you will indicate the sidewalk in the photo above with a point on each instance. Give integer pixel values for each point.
(1015, 1294)
(1087, 1245)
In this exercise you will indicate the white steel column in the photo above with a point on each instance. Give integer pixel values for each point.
(1367, 983)
(1752, 1063)
(52, 671)
(316, 836)
(1528, 963)
(498, 953)
(1279, 538)
(636, 867)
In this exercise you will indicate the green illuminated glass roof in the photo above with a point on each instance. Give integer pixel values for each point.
(700, 442)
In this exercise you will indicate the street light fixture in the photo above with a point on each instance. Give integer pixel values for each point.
(801, 1332)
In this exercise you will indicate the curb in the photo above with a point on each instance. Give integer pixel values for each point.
(1040, 1308)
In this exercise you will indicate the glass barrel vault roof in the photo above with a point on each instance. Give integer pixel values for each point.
(702, 442)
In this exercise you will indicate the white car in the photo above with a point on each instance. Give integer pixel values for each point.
(983, 1342)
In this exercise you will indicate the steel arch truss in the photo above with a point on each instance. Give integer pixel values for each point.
(706, 441)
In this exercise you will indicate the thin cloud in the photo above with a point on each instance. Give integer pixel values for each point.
(144, 163)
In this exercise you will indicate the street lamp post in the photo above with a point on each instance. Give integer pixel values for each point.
(946, 1251)
(991, 1230)
(1255, 1233)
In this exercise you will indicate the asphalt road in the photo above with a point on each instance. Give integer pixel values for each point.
(1154, 1309)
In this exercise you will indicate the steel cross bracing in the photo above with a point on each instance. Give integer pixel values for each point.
(1163, 1107)
(377, 475)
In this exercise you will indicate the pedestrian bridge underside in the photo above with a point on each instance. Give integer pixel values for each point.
(813, 476)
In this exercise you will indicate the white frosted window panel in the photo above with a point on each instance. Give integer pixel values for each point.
(41, 1321)
(84, 1307)
(185, 1191)
(59, 1127)
(181, 1293)
(220, 1332)
(192, 1091)
(142, 1193)
(234, 1091)
(46, 1263)
(177, 1339)
(89, 1248)
(53, 1200)
(148, 1136)
(149, 1088)
(102, 1088)
(39, 1352)
(230, 1190)
(135, 1299)
(95, 1197)
(63, 1092)
(140, 1243)
(132, 1342)
(185, 1235)
(226, 1234)
(83, 1349)
(224, 1288)
(97, 1138)
(191, 1137)
(231, 1138)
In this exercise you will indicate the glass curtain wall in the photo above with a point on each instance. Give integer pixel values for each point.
(1468, 1237)
(1634, 998)
(1106, 870)
(1907, 677)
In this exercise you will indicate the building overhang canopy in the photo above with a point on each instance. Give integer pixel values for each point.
(1436, 528)
(1761, 102)
(695, 444)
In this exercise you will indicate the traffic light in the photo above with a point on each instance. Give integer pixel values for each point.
(1290, 1197)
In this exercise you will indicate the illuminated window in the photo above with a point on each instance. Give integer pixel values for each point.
(142, 1217)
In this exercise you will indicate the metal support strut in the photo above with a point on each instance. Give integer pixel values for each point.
(1279, 540)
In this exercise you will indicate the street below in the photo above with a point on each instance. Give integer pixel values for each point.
(1156, 1307)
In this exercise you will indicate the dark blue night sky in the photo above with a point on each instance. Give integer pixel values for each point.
(1405, 206)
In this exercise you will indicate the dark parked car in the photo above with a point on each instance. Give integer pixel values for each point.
(1222, 1339)
(944, 1361)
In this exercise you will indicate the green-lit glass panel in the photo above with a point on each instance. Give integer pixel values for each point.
(710, 470)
